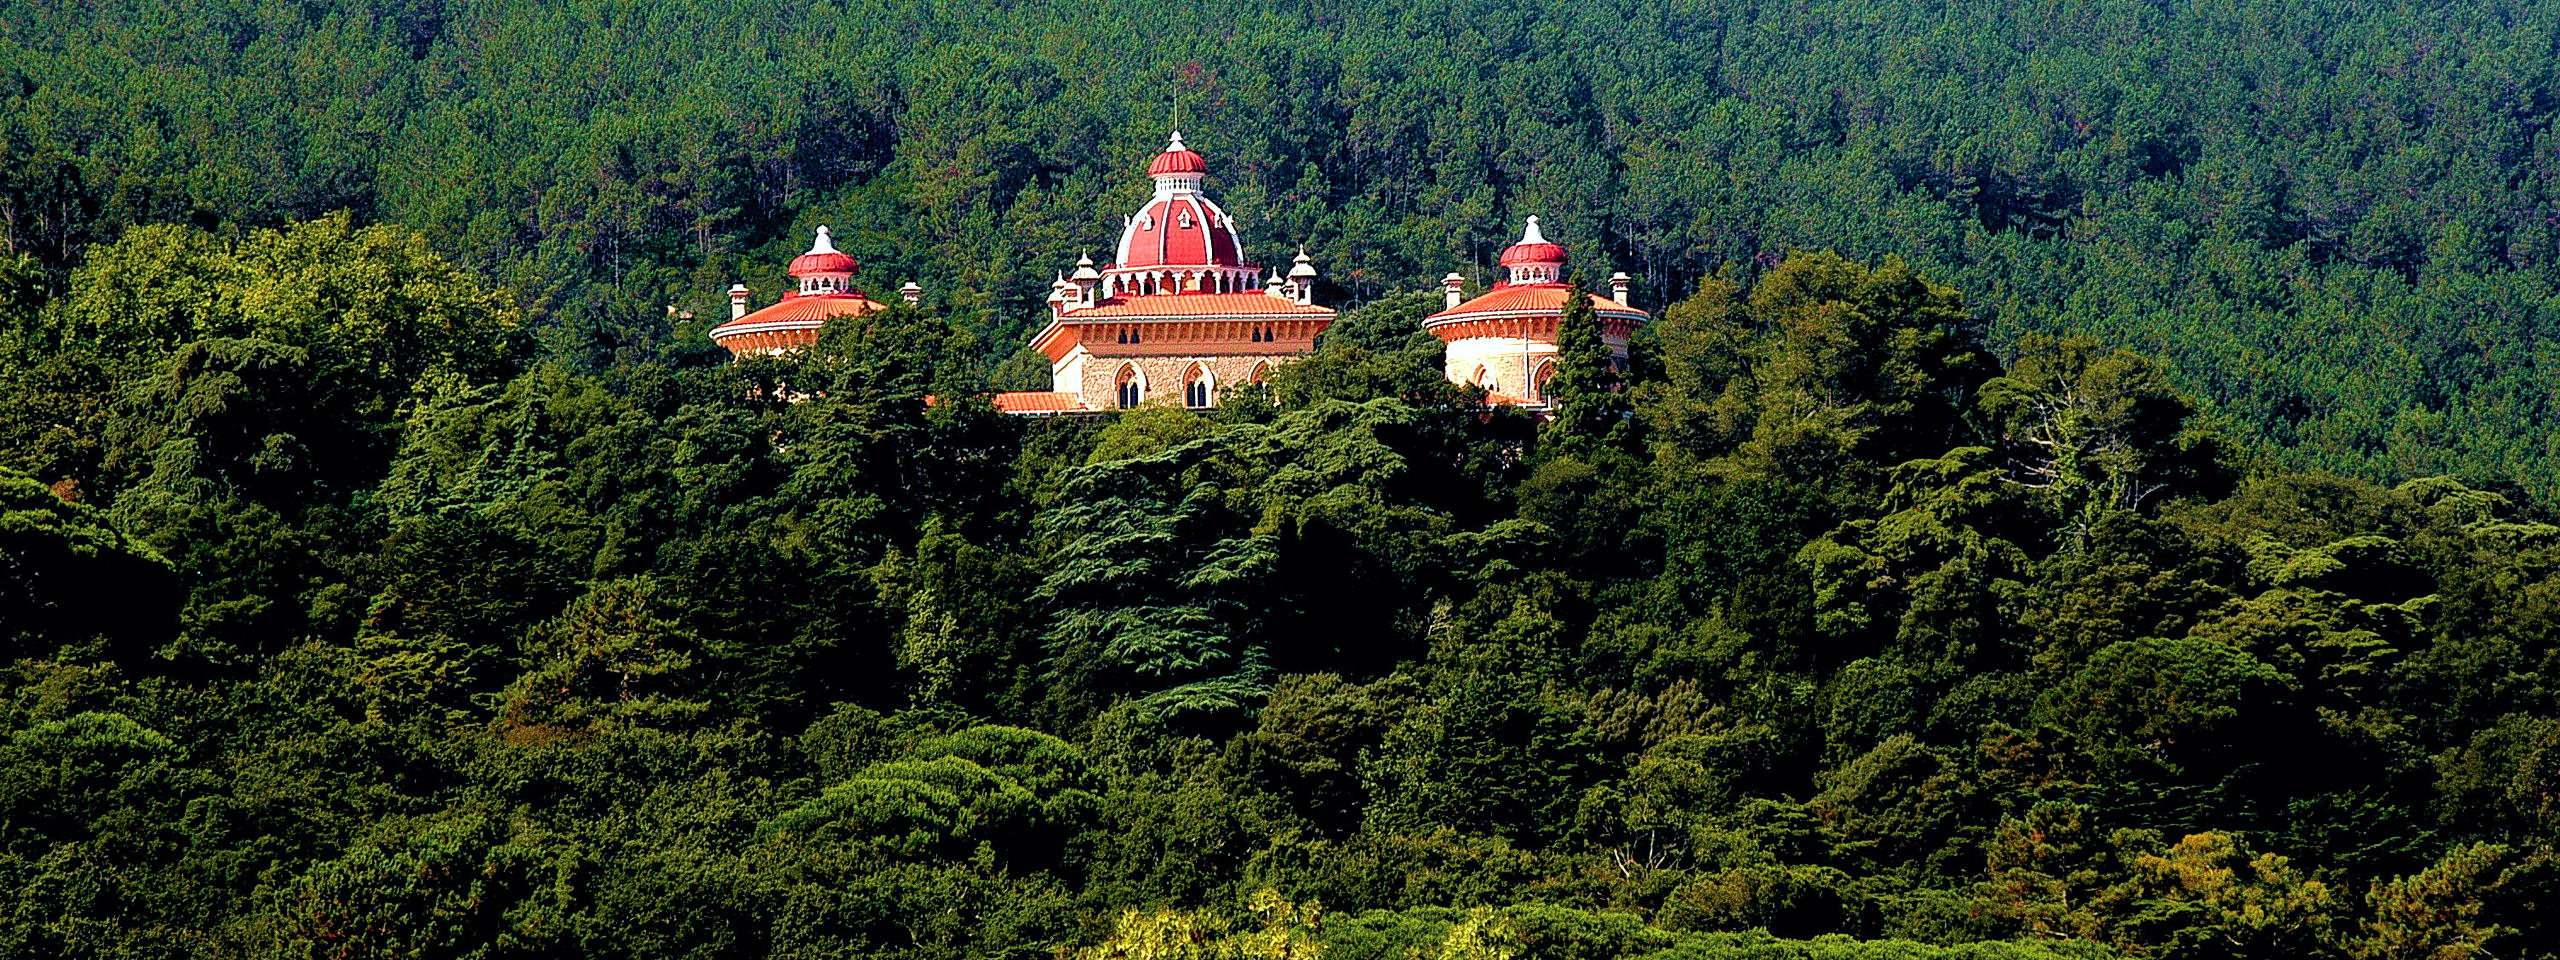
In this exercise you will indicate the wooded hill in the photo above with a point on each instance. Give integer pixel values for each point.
(2337, 220)
(2137, 542)
(351, 631)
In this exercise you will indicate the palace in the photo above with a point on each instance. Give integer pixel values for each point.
(1179, 315)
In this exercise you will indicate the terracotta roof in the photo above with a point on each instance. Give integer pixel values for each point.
(1191, 305)
(798, 311)
(1036, 401)
(1534, 297)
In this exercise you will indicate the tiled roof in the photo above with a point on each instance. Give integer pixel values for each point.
(1541, 297)
(798, 309)
(1198, 305)
(1036, 401)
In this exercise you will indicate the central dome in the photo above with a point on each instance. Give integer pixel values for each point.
(1180, 227)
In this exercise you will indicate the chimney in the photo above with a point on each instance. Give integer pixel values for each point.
(913, 292)
(737, 300)
(1618, 286)
(1455, 287)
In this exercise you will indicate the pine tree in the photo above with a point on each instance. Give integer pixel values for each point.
(1585, 392)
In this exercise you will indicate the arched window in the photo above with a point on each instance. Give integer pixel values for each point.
(1546, 372)
(1481, 378)
(1261, 369)
(1197, 389)
(1133, 385)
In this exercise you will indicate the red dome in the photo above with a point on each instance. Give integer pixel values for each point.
(1520, 253)
(808, 264)
(1177, 160)
(822, 258)
(1533, 248)
(1180, 229)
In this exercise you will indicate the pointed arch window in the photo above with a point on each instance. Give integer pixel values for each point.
(1198, 388)
(1132, 385)
(1546, 371)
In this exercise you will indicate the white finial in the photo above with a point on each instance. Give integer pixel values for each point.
(826, 242)
(1531, 234)
(1175, 143)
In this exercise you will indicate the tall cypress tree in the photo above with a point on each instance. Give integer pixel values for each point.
(1586, 392)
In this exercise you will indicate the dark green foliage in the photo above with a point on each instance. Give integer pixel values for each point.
(1586, 391)
(2019, 583)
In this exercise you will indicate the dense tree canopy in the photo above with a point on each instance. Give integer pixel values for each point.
(2088, 491)
(365, 627)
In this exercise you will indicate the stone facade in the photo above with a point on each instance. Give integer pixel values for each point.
(1510, 366)
(1162, 378)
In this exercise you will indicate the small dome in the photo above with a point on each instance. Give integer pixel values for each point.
(1533, 249)
(822, 259)
(1177, 160)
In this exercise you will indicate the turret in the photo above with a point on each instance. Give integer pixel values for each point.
(1087, 280)
(1302, 278)
(913, 292)
(1453, 289)
(738, 294)
(1618, 284)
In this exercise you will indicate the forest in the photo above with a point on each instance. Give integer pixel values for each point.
(2088, 492)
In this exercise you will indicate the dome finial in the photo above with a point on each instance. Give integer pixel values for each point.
(1531, 234)
(826, 242)
(1175, 143)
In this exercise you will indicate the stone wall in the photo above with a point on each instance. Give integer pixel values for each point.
(1164, 376)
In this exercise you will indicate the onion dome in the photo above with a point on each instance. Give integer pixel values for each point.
(1177, 160)
(823, 260)
(1533, 259)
